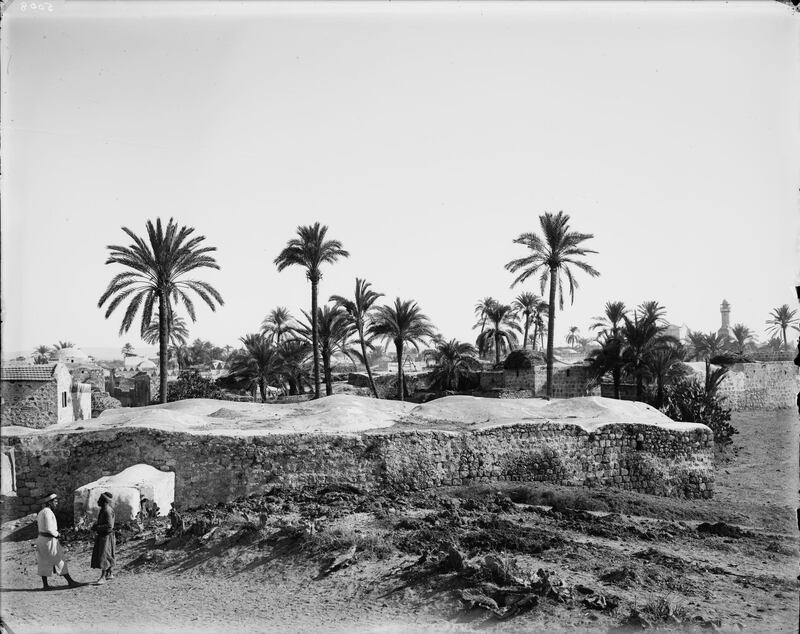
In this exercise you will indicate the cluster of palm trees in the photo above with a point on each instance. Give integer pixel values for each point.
(155, 280)
(45, 354)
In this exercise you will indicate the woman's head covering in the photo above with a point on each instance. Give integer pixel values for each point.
(47, 498)
(105, 497)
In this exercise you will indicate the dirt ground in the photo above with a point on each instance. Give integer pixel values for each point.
(511, 558)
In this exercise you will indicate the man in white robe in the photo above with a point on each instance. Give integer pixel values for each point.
(50, 555)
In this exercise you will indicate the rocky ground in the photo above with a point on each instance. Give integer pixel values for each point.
(516, 557)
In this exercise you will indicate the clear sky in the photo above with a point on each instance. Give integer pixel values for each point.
(427, 136)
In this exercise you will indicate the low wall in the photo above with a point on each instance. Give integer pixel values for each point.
(671, 460)
(761, 386)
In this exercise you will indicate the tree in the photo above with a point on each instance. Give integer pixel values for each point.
(293, 365)
(609, 323)
(157, 267)
(698, 344)
(780, 319)
(62, 345)
(454, 361)
(402, 324)
(257, 364)
(714, 344)
(573, 336)
(334, 330)
(528, 305)
(642, 338)
(481, 309)
(665, 364)
(360, 309)
(501, 334)
(311, 250)
(41, 355)
(551, 255)
(278, 322)
(608, 358)
(177, 333)
(742, 336)
(127, 350)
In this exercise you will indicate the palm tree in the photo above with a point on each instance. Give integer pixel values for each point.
(63, 345)
(539, 325)
(257, 364)
(608, 358)
(481, 309)
(715, 343)
(551, 256)
(127, 350)
(742, 336)
(454, 360)
(278, 322)
(311, 250)
(178, 332)
(654, 311)
(666, 365)
(573, 336)
(359, 309)
(528, 305)
(642, 337)
(402, 324)
(609, 323)
(780, 319)
(156, 274)
(334, 330)
(699, 345)
(502, 332)
(293, 363)
(40, 355)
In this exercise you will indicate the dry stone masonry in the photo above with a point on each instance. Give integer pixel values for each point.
(418, 452)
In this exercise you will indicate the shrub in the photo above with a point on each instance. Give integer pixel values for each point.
(730, 358)
(191, 385)
(688, 401)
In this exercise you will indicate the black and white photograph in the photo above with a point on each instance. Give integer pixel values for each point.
(393, 317)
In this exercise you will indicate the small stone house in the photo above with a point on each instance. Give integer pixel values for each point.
(36, 395)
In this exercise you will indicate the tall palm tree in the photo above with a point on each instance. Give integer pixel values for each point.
(257, 364)
(608, 324)
(539, 326)
(481, 309)
(698, 344)
(780, 319)
(551, 255)
(528, 305)
(453, 361)
(359, 309)
(278, 322)
(402, 324)
(311, 250)
(334, 333)
(742, 335)
(40, 355)
(157, 267)
(654, 311)
(573, 336)
(608, 358)
(501, 334)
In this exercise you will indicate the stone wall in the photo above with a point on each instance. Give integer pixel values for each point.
(519, 379)
(91, 374)
(29, 404)
(761, 386)
(666, 460)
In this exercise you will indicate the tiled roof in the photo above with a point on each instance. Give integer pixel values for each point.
(42, 372)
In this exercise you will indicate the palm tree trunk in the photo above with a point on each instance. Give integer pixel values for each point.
(616, 375)
(497, 344)
(263, 389)
(314, 337)
(525, 336)
(326, 368)
(163, 344)
(366, 361)
(551, 318)
(535, 333)
(639, 387)
(399, 347)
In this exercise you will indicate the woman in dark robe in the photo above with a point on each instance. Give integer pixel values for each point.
(104, 542)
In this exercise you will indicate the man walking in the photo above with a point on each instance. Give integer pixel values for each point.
(48, 549)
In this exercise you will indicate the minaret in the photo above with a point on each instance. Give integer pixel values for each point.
(725, 313)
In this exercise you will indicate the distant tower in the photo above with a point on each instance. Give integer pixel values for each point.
(725, 313)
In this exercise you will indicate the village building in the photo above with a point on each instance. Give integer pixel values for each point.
(42, 395)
